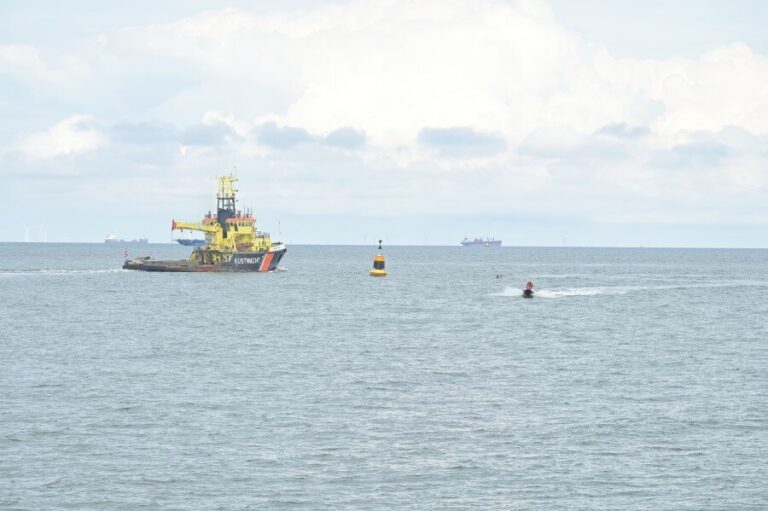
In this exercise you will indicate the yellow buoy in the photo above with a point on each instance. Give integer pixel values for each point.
(378, 264)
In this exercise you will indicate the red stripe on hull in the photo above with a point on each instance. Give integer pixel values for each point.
(267, 261)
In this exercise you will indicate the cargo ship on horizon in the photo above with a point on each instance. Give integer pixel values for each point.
(111, 239)
(480, 242)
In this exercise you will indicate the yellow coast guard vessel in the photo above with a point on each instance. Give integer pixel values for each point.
(233, 242)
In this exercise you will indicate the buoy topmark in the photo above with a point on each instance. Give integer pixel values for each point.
(378, 264)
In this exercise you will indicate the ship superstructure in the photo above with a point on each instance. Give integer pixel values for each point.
(233, 242)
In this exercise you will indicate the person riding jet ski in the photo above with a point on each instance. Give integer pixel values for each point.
(528, 291)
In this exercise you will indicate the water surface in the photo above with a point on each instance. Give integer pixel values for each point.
(636, 379)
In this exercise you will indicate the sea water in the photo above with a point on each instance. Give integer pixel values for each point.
(635, 379)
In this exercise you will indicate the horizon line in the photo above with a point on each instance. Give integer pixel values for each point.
(639, 246)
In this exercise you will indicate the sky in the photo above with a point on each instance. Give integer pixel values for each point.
(562, 122)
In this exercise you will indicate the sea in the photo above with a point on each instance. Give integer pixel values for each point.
(635, 379)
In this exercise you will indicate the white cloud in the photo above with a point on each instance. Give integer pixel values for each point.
(23, 61)
(549, 122)
(74, 135)
(394, 67)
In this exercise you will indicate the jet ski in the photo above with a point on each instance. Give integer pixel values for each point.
(528, 291)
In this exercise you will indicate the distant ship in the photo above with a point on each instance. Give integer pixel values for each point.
(112, 239)
(192, 242)
(480, 242)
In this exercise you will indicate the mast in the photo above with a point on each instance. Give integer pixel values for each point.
(226, 201)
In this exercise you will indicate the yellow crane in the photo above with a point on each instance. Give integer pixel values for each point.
(229, 230)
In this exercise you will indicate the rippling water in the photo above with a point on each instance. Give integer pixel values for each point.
(636, 379)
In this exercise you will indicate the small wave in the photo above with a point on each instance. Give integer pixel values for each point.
(572, 291)
(280, 268)
(565, 275)
(50, 484)
(622, 290)
(55, 272)
(585, 291)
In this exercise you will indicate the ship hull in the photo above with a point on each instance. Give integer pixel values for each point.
(489, 243)
(237, 262)
(192, 243)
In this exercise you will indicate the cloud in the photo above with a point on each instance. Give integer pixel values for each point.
(144, 133)
(24, 62)
(350, 138)
(74, 135)
(325, 67)
(272, 135)
(461, 141)
(694, 154)
(529, 116)
(208, 134)
(622, 130)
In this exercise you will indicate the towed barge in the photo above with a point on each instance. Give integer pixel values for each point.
(233, 244)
